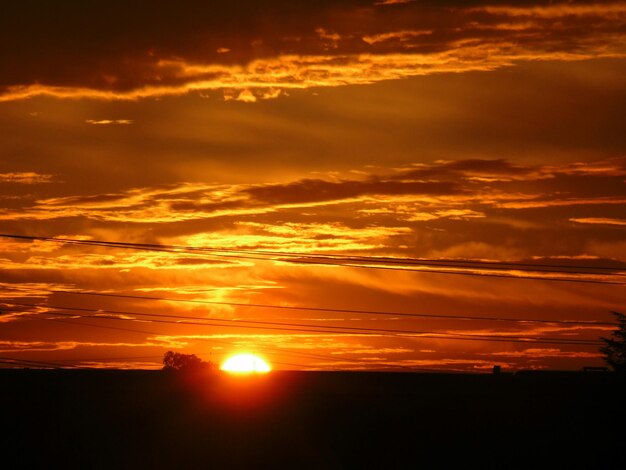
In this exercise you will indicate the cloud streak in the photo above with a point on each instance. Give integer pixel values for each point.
(460, 190)
(599, 221)
(28, 177)
(106, 122)
(336, 45)
(479, 132)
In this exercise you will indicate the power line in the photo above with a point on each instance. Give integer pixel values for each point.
(338, 310)
(311, 328)
(346, 260)
(488, 265)
(563, 268)
(336, 261)
(361, 331)
(330, 261)
(10, 360)
(285, 351)
(158, 359)
(397, 259)
(281, 351)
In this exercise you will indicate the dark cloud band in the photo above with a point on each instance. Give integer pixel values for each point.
(254, 50)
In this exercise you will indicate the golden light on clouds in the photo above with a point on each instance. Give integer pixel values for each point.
(340, 53)
(336, 185)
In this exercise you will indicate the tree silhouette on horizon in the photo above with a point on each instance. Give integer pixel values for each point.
(615, 349)
(174, 361)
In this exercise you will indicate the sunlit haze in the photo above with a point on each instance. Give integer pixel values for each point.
(336, 185)
(246, 364)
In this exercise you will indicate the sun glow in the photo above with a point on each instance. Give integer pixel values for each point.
(245, 364)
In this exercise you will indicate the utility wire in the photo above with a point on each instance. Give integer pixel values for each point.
(334, 256)
(312, 328)
(474, 264)
(156, 360)
(337, 261)
(320, 309)
(280, 351)
(328, 262)
(54, 365)
(361, 331)
(338, 310)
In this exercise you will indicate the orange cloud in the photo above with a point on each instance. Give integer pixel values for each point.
(25, 178)
(393, 2)
(560, 10)
(599, 220)
(105, 122)
(403, 36)
(447, 209)
(564, 202)
(546, 352)
(34, 346)
(361, 46)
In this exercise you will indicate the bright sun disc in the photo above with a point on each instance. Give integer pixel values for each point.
(245, 364)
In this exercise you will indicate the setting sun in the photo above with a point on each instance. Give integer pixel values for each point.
(245, 364)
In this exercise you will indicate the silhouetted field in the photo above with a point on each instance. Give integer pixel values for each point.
(150, 419)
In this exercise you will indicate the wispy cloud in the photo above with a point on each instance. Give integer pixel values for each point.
(28, 177)
(372, 210)
(393, 2)
(360, 46)
(560, 10)
(402, 36)
(542, 353)
(599, 221)
(38, 346)
(107, 122)
(475, 209)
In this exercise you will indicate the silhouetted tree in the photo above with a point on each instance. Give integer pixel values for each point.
(184, 362)
(615, 349)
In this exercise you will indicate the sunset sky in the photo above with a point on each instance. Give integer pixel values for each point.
(394, 136)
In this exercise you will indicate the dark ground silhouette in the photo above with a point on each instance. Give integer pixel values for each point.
(155, 419)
